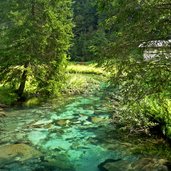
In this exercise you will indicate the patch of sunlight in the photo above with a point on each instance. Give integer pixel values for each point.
(86, 69)
(32, 102)
(168, 104)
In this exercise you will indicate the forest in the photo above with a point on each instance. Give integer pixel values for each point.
(85, 85)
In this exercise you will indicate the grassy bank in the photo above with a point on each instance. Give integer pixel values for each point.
(80, 78)
(83, 78)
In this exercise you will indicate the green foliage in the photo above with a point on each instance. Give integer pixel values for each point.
(83, 78)
(80, 84)
(153, 147)
(141, 87)
(86, 22)
(129, 23)
(85, 68)
(32, 102)
(7, 96)
(35, 37)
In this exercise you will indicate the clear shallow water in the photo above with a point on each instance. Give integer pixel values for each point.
(67, 138)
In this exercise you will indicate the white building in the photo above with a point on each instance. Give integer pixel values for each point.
(156, 48)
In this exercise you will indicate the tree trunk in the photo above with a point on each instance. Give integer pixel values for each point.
(21, 88)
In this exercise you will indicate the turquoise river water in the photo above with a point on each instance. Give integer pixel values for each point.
(75, 136)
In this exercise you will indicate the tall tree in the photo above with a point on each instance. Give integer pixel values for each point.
(35, 37)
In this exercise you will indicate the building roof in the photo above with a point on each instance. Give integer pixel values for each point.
(156, 44)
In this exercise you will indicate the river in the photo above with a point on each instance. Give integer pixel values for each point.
(77, 135)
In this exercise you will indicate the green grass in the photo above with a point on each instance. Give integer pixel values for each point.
(84, 78)
(81, 83)
(86, 68)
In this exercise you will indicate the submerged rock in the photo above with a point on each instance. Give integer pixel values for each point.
(22, 157)
(98, 119)
(143, 164)
(150, 164)
(34, 164)
(19, 152)
(63, 122)
(110, 165)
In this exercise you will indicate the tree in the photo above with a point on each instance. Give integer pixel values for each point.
(35, 38)
(144, 86)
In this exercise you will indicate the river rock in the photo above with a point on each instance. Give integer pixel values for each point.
(113, 165)
(17, 152)
(143, 164)
(96, 119)
(63, 122)
(150, 164)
